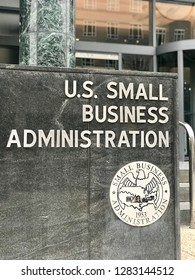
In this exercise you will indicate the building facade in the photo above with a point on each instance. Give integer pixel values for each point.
(143, 35)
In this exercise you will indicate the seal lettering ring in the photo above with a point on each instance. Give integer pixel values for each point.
(139, 193)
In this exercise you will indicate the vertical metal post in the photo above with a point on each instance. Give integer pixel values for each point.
(152, 28)
(120, 63)
(191, 171)
(180, 67)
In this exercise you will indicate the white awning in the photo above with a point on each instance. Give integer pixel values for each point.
(103, 56)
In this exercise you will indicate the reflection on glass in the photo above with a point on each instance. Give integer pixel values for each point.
(97, 63)
(167, 62)
(9, 23)
(174, 21)
(9, 54)
(187, 102)
(137, 62)
(113, 21)
(189, 87)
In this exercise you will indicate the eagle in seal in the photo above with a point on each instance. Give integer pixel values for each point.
(140, 191)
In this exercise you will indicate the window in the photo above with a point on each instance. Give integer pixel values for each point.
(87, 62)
(135, 6)
(90, 4)
(111, 64)
(135, 31)
(179, 34)
(113, 5)
(9, 54)
(138, 63)
(89, 29)
(160, 35)
(112, 31)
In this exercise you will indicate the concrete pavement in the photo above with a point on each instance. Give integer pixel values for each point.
(187, 243)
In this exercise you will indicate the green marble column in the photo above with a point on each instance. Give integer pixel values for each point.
(47, 33)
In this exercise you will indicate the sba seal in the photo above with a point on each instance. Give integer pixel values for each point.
(139, 193)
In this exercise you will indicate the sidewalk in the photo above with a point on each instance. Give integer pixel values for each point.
(187, 234)
(187, 243)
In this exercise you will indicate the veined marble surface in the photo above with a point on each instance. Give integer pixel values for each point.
(47, 33)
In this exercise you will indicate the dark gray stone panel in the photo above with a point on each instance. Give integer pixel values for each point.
(55, 201)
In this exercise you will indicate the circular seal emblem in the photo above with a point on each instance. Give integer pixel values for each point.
(139, 193)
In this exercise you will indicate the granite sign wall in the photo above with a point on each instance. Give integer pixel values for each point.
(88, 164)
